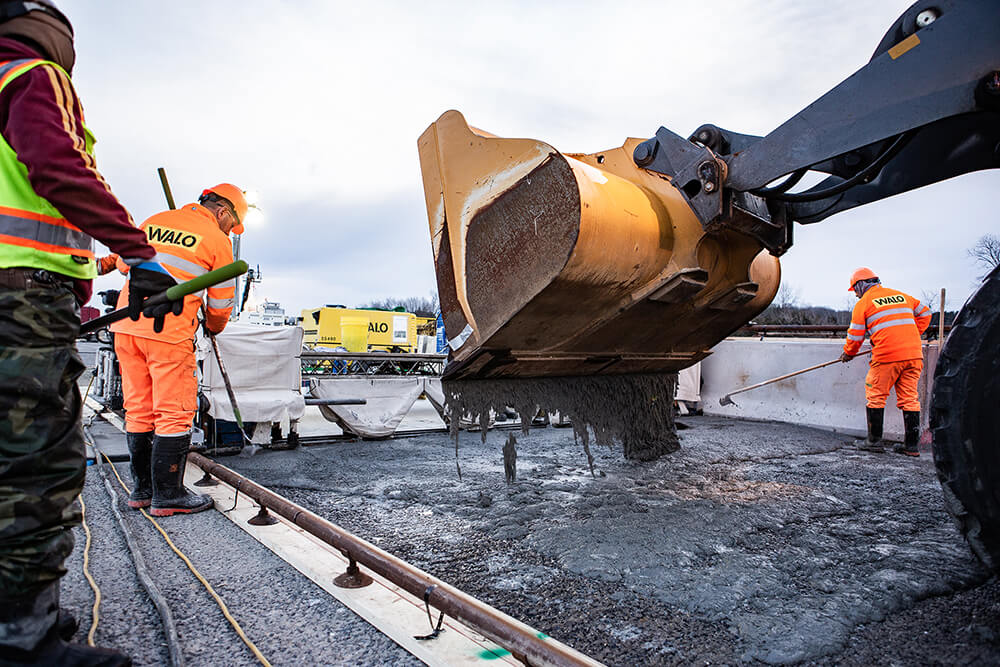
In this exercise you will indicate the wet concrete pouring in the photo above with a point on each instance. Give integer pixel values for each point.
(754, 543)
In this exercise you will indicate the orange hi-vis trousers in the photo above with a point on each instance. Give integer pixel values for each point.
(903, 375)
(159, 383)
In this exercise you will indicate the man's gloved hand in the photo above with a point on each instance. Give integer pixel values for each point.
(145, 280)
(845, 357)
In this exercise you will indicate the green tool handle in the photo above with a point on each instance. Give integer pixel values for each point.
(237, 268)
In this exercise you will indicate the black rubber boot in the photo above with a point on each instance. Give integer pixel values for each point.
(140, 451)
(873, 443)
(66, 624)
(169, 495)
(54, 651)
(911, 434)
(31, 631)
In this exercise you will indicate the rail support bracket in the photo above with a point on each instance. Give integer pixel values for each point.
(353, 577)
(206, 480)
(262, 518)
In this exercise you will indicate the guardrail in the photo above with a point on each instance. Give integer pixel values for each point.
(327, 364)
(831, 330)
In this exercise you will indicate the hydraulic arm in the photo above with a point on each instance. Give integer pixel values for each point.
(924, 109)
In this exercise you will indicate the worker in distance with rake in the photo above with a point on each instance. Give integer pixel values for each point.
(894, 321)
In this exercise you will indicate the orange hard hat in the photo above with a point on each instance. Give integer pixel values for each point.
(234, 196)
(864, 273)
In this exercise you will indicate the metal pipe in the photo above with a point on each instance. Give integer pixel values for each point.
(166, 187)
(171, 294)
(941, 321)
(336, 401)
(521, 640)
(728, 398)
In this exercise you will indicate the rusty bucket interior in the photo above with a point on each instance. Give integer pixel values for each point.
(551, 264)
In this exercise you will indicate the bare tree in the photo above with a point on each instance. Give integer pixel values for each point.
(932, 299)
(784, 309)
(787, 296)
(424, 306)
(986, 252)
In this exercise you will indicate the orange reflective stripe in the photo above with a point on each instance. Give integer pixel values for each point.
(38, 245)
(12, 68)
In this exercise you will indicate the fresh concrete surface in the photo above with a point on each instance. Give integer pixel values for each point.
(757, 542)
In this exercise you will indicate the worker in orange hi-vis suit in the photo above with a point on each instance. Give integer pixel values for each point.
(894, 322)
(157, 355)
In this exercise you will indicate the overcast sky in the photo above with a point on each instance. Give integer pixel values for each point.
(318, 105)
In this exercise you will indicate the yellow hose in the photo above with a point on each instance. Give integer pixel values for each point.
(86, 573)
(218, 600)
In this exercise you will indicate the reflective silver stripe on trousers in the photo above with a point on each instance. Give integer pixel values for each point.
(894, 323)
(221, 303)
(168, 259)
(44, 232)
(885, 313)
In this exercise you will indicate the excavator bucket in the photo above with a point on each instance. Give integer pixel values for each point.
(554, 265)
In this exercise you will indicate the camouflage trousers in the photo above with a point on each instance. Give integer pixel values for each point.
(42, 455)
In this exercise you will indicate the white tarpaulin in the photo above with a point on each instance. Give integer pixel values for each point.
(435, 394)
(388, 401)
(689, 384)
(264, 368)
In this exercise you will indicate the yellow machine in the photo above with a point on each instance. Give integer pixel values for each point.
(426, 326)
(554, 265)
(360, 329)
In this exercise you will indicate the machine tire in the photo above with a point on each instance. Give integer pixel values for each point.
(965, 420)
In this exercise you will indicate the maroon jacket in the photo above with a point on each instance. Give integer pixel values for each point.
(42, 120)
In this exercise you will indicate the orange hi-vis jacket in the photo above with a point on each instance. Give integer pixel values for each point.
(188, 244)
(893, 320)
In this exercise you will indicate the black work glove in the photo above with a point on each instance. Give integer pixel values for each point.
(145, 280)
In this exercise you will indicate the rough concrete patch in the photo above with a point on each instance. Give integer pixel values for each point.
(635, 410)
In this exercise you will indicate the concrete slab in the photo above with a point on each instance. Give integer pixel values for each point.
(758, 541)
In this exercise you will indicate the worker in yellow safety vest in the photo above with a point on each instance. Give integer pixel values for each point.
(53, 203)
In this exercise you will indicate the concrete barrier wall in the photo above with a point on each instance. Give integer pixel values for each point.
(831, 398)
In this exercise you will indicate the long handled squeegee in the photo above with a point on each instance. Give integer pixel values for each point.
(215, 277)
(727, 399)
